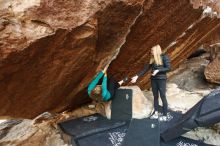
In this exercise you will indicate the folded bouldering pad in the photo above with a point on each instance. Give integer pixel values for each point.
(205, 113)
(111, 137)
(88, 125)
(121, 107)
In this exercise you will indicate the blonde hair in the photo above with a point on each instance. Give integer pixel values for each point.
(156, 50)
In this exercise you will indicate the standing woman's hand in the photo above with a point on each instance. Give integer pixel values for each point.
(134, 79)
(155, 72)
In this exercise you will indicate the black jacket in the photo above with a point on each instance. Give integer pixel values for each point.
(163, 69)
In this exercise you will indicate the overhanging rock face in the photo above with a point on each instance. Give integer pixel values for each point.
(50, 50)
(172, 24)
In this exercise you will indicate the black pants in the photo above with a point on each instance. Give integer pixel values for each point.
(112, 86)
(159, 86)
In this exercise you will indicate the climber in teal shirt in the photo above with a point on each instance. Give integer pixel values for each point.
(107, 88)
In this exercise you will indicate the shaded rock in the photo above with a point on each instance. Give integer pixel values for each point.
(6, 126)
(190, 75)
(9, 123)
(208, 135)
(214, 52)
(212, 8)
(213, 49)
(217, 127)
(197, 53)
(212, 71)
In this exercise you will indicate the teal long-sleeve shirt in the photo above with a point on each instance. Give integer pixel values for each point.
(105, 93)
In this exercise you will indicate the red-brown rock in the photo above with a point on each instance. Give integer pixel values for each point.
(50, 50)
(212, 71)
(178, 32)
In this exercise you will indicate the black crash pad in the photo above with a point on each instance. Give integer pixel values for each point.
(173, 117)
(111, 137)
(143, 132)
(183, 141)
(205, 113)
(88, 125)
(121, 107)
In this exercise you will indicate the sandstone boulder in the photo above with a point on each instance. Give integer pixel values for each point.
(212, 71)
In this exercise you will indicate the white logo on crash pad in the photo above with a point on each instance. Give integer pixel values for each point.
(185, 144)
(116, 138)
(127, 96)
(90, 119)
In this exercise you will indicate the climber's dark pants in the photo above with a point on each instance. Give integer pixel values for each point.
(159, 86)
(112, 86)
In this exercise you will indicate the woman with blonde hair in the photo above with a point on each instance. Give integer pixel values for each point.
(160, 65)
